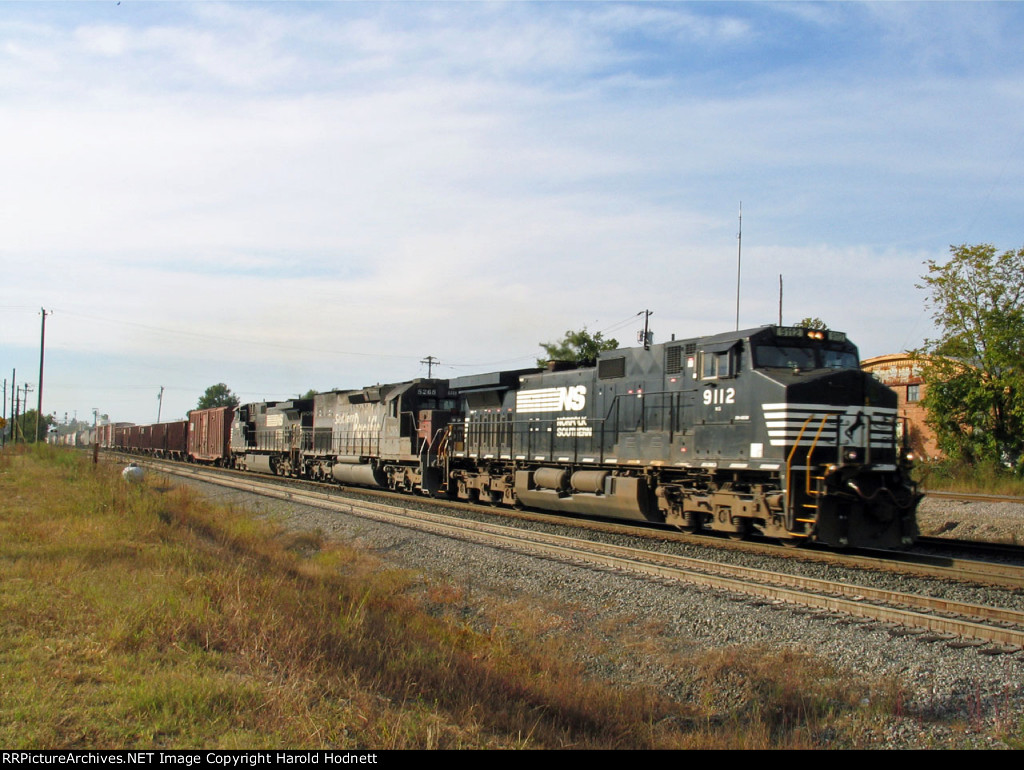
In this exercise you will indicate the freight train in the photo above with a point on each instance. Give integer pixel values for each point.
(772, 430)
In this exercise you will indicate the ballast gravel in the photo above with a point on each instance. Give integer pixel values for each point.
(949, 696)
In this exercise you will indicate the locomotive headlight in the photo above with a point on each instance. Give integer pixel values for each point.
(853, 455)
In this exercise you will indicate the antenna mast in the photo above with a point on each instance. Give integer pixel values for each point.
(780, 299)
(739, 254)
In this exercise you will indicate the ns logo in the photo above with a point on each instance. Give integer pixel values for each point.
(571, 398)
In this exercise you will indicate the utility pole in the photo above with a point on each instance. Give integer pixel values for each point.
(24, 409)
(14, 407)
(42, 348)
(20, 403)
(3, 420)
(646, 334)
(160, 400)
(430, 361)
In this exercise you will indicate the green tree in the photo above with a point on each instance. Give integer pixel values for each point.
(813, 323)
(974, 370)
(581, 347)
(217, 395)
(24, 428)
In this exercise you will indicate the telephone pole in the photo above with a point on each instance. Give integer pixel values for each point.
(14, 406)
(42, 348)
(645, 336)
(430, 361)
(21, 404)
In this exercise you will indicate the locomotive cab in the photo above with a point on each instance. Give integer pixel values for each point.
(835, 427)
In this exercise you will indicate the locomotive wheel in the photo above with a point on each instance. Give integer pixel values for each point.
(744, 531)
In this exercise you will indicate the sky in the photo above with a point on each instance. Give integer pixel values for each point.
(288, 196)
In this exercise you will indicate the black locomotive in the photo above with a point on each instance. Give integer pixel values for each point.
(773, 430)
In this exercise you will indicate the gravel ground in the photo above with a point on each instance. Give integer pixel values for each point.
(950, 697)
(995, 522)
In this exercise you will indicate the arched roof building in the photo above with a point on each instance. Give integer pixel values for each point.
(902, 373)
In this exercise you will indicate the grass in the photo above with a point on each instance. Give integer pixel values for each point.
(142, 616)
(955, 476)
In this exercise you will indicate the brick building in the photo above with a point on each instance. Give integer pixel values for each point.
(901, 373)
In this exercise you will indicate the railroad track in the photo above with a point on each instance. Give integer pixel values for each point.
(932, 617)
(954, 568)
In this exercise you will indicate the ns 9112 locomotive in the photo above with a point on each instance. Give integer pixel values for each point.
(774, 430)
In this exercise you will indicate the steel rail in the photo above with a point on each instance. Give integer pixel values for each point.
(974, 497)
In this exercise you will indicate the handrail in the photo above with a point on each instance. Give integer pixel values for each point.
(791, 519)
(814, 445)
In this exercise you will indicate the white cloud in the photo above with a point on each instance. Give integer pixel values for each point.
(270, 189)
(669, 21)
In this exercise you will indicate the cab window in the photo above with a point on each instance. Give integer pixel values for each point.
(718, 364)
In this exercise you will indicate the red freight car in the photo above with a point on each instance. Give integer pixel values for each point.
(167, 439)
(136, 438)
(121, 436)
(209, 435)
(177, 440)
(112, 435)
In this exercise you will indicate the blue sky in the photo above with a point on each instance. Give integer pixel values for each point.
(285, 196)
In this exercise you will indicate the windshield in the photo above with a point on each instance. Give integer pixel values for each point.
(800, 357)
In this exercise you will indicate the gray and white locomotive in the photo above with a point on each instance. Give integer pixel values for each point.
(773, 430)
